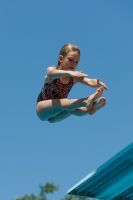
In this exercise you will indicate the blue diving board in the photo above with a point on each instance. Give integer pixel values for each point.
(111, 181)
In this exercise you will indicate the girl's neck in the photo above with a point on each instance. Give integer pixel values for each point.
(65, 80)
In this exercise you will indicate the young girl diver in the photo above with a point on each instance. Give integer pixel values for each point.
(52, 103)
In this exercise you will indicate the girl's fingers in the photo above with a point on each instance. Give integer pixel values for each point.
(84, 75)
(104, 86)
(101, 83)
(80, 74)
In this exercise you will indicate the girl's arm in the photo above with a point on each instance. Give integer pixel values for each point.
(53, 73)
(92, 82)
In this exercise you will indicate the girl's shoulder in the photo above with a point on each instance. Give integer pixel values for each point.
(51, 68)
(48, 79)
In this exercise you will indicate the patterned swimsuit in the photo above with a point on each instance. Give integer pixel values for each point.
(55, 90)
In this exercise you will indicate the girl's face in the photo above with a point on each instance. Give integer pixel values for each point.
(70, 61)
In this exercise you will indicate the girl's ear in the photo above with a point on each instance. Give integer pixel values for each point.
(60, 58)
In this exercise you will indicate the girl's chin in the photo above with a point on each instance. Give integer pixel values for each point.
(71, 69)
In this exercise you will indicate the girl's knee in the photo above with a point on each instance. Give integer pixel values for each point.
(41, 117)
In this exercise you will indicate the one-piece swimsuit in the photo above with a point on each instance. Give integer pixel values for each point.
(55, 90)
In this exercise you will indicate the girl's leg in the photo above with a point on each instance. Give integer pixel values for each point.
(65, 114)
(79, 111)
(50, 108)
(61, 116)
(96, 106)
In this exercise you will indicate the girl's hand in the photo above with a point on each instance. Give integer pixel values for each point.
(77, 74)
(99, 83)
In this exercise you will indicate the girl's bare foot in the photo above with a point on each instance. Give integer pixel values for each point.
(97, 105)
(99, 91)
(90, 100)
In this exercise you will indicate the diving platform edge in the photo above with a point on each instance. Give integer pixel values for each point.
(111, 181)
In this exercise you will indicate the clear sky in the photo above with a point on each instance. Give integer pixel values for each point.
(31, 35)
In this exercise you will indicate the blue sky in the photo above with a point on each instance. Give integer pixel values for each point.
(32, 33)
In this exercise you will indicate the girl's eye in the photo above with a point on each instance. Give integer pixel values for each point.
(71, 60)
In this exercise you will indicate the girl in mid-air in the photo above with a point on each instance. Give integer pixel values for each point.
(52, 103)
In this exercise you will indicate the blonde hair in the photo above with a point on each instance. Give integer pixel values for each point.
(66, 49)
